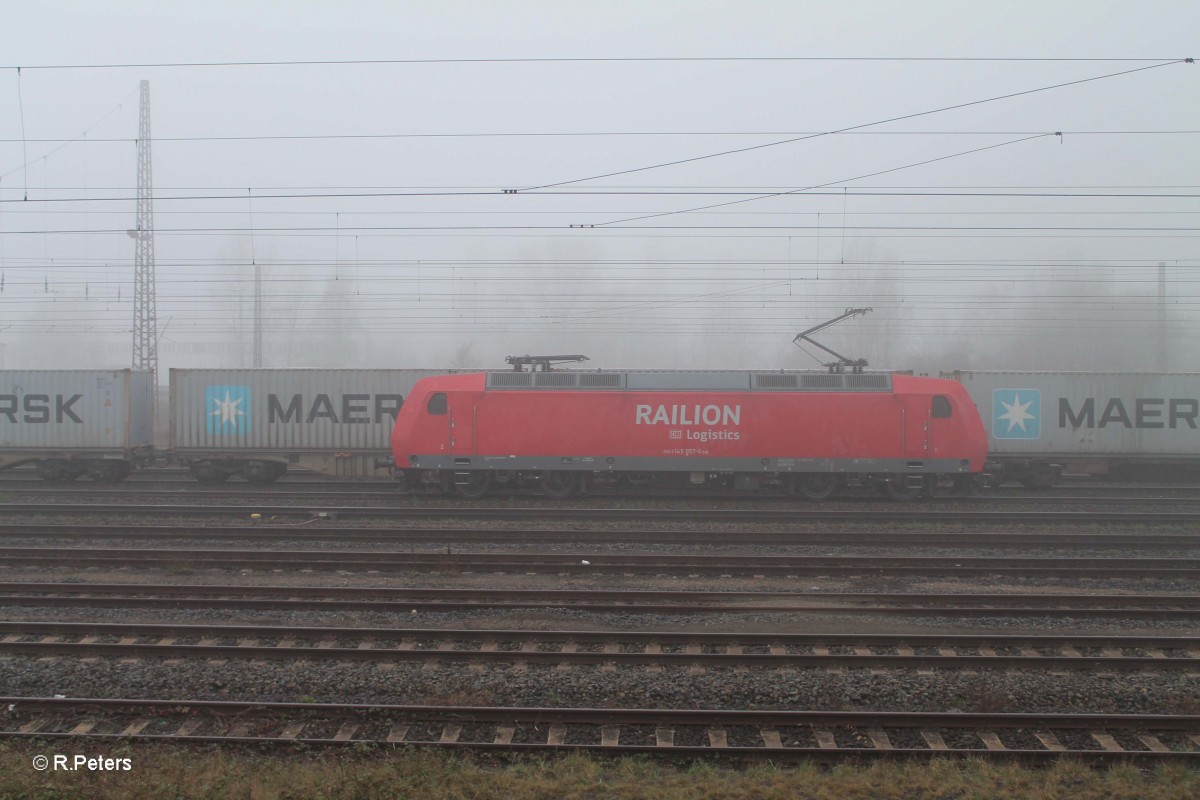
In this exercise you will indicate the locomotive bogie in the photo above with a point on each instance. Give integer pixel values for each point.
(219, 470)
(100, 470)
(813, 486)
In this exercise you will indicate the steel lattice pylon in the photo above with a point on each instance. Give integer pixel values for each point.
(145, 309)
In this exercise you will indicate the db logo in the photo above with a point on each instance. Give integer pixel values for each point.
(675, 434)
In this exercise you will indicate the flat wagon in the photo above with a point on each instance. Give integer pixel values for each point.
(76, 423)
(258, 423)
(1043, 423)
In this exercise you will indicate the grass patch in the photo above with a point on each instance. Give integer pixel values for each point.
(204, 773)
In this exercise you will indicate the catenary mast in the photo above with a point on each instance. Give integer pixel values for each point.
(145, 309)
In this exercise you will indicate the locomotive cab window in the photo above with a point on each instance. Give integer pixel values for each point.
(437, 403)
(941, 407)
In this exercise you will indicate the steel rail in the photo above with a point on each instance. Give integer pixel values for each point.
(639, 637)
(182, 475)
(559, 659)
(777, 735)
(560, 648)
(899, 513)
(324, 493)
(628, 595)
(271, 531)
(409, 600)
(597, 563)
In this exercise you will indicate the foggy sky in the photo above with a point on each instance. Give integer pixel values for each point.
(1040, 253)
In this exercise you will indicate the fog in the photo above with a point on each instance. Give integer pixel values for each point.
(674, 208)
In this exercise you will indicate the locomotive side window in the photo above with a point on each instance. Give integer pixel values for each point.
(437, 403)
(941, 407)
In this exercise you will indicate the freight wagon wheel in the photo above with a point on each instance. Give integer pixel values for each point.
(560, 483)
(817, 485)
(263, 472)
(472, 485)
(209, 474)
(57, 472)
(113, 472)
(1039, 476)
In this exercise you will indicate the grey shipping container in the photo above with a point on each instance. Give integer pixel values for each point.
(257, 422)
(76, 422)
(1081, 417)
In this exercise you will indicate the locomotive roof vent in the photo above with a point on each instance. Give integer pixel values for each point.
(601, 380)
(819, 381)
(776, 381)
(865, 381)
(506, 379)
(688, 380)
(558, 380)
(684, 380)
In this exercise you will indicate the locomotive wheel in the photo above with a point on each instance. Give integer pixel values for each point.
(402, 482)
(817, 485)
(968, 484)
(641, 480)
(560, 483)
(899, 490)
(472, 485)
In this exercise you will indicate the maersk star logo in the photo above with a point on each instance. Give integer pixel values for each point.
(1016, 413)
(227, 409)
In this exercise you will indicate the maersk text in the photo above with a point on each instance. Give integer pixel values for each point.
(1147, 412)
(355, 408)
(37, 408)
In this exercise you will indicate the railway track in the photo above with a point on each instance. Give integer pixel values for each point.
(601, 563)
(274, 532)
(410, 600)
(387, 493)
(566, 649)
(183, 481)
(689, 733)
(895, 513)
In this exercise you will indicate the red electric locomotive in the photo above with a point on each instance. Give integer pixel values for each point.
(801, 432)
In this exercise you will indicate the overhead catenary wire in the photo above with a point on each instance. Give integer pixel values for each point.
(456, 307)
(823, 185)
(752, 195)
(584, 59)
(570, 134)
(366, 229)
(551, 213)
(65, 142)
(24, 145)
(745, 189)
(848, 128)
